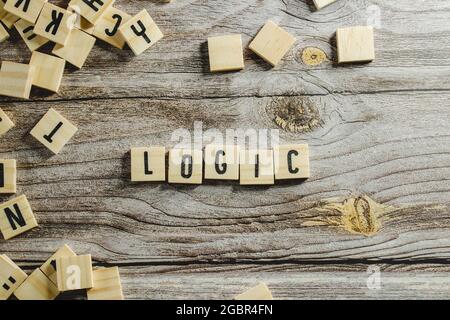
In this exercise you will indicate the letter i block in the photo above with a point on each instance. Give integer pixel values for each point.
(55, 23)
(148, 164)
(32, 40)
(107, 285)
(185, 166)
(37, 287)
(16, 79)
(11, 277)
(53, 131)
(5, 123)
(48, 71)
(140, 32)
(28, 10)
(7, 176)
(92, 10)
(260, 292)
(291, 161)
(256, 167)
(16, 217)
(74, 273)
(49, 267)
(222, 162)
(107, 27)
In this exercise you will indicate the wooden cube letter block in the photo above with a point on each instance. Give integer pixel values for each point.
(74, 273)
(291, 161)
(77, 48)
(272, 43)
(322, 3)
(5, 123)
(140, 32)
(4, 35)
(148, 164)
(55, 23)
(27, 10)
(11, 277)
(225, 53)
(355, 44)
(107, 285)
(256, 167)
(222, 162)
(16, 217)
(185, 166)
(49, 266)
(16, 79)
(8, 176)
(107, 27)
(36, 287)
(260, 292)
(80, 22)
(7, 18)
(92, 10)
(32, 40)
(48, 71)
(53, 131)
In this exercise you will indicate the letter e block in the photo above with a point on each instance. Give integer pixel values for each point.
(55, 23)
(185, 166)
(16, 217)
(291, 161)
(107, 27)
(256, 167)
(28, 10)
(148, 164)
(48, 71)
(16, 79)
(37, 287)
(11, 277)
(225, 53)
(222, 162)
(8, 176)
(107, 285)
(5, 123)
(74, 273)
(355, 44)
(260, 292)
(49, 267)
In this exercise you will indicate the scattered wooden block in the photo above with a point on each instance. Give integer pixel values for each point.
(272, 43)
(49, 266)
(4, 34)
(32, 40)
(107, 27)
(222, 162)
(74, 273)
(8, 176)
(55, 24)
(5, 123)
(225, 53)
(260, 292)
(185, 166)
(11, 277)
(16, 217)
(16, 79)
(27, 10)
(53, 131)
(148, 164)
(77, 48)
(291, 161)
(107, 285)
(36, 287)
(140, 32)
(355, 44)
(92, 10)
(322, 3)
(256, 167)
(80, 22)
(8, 19)
(48, 71)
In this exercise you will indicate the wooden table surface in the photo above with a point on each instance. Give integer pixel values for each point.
(379, 134)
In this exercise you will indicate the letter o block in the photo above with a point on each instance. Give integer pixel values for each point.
(185, 166)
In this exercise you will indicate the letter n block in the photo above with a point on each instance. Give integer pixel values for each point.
(28, 10)
(74, 273)
(55, 24)
(256, 167)
(16, 217)
(37, 287)
(8, 176)
(185, 166)
(11, 277)
(148, 164)
(222, 162)
(291, 161)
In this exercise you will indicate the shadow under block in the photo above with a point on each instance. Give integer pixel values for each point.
(11, 277)
(49, 266)
(32, 40)
(16, 79)
(107, 285)
(148, 164)
(291, 161)
(185, 166)
(4, 34)
(222, 162)
(48, 71)
(74, 273)
(16, 217)
(5, 123)
(8, 173)
(322, 3)
(27, 10)
(225, 53)
(272, 43)
(107, 27)
(55, 24)
(36, 287)
(355, 44)
(77, 48)
(92, 10)
(256, 167)
(140, 32)
(53, 131)
(260, 292)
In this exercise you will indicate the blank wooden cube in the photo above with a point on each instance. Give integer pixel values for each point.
(74, 273)
(185, 166)
(8, 174)
(11, 277)
(4, 34)
(225, 53)
(107, 27)
(49, 266)
(92, 10)
(107, 285)
(80, 22)
(272, 43)
(53, 131)
(55, 24)
(27, 10)
(16, 217)
(148, 164)
(291, 161)
(77, 48)
(140, 32)
(222, 162)
(260, 292)
(7, 18)
(16, 79)
(48, 71)
(32, 40)
(256, 167)
(322, 3)
(36, 287)
(5, 123)
(355, 44)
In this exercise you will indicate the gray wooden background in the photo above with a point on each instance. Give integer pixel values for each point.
(380, 156)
